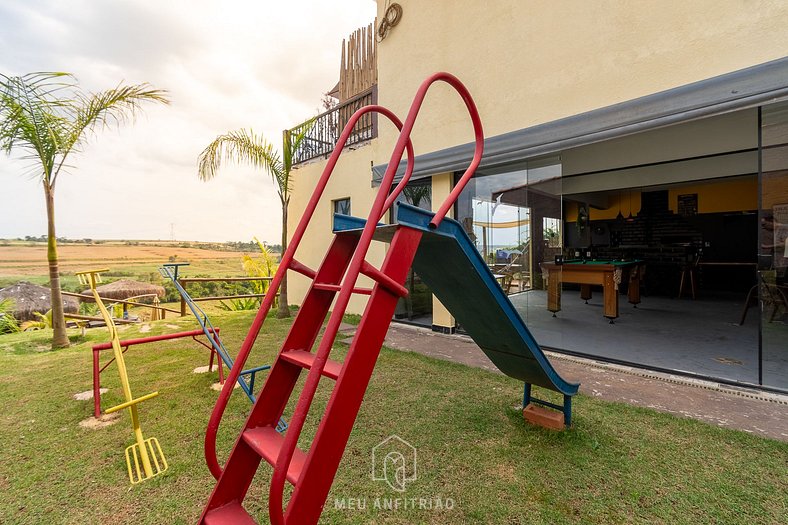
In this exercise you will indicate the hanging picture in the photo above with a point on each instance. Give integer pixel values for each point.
(688, 205)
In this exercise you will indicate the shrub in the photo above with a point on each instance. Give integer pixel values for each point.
(8, 324)
(248, 303)
(44, 321)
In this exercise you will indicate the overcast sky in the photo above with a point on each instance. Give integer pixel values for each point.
(227, 64)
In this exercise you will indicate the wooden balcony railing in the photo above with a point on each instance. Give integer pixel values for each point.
(325, 129)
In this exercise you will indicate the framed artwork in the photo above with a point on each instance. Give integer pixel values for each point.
(688, 205)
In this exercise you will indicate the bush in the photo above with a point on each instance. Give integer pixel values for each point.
(88, 309)
(248, 303)
(8, 324)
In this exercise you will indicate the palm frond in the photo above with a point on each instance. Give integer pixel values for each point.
(31, 117)
(264, 266)
(114, 106)
(245, 147)
(44, 322)
(102, 109)
(47, 115)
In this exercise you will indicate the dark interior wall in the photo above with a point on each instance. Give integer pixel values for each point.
(668, 241)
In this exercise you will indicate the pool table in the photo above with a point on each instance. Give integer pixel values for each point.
(606, 273)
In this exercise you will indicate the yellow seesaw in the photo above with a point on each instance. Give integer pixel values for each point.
(144, 450)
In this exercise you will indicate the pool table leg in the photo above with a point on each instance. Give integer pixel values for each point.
(554, 293)
(585, 292)
(611, 297)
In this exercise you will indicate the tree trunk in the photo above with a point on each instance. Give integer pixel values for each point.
(284, 309)
(59, 338)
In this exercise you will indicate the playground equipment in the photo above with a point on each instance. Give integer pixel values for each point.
(417, 238)
(146, 453)
(170, 271)
(124, 345)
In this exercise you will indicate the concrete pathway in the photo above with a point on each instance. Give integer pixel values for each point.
(751, 411)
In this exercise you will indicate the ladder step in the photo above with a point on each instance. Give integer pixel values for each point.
(305, 359)
(338, 287)
(267, 442)
(385, 281)
(230, 514)
(302, 269)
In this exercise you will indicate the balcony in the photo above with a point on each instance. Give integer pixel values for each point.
(323, 131)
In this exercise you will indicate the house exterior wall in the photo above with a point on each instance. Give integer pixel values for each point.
(442, 185)
(527, 63)
(351, 178)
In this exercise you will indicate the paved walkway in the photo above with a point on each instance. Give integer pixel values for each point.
(748, 410)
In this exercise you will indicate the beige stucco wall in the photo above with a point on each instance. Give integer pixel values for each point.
(351, 178)
(441, 187)
(530, 62)
(534, 61)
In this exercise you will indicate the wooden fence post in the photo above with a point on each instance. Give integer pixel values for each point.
(183, 301)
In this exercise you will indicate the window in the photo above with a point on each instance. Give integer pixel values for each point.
(341, 206)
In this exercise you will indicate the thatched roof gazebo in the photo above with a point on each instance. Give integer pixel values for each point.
(30, 298)
(125, 289)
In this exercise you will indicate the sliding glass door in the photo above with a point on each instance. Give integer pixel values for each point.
(772, 288)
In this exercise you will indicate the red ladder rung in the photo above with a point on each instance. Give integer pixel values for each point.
(305, 359)
(338, 287)
(384, 280)
(231, 514)
(302, 269)
(267, 442)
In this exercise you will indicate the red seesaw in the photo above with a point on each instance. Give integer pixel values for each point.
(97, 369)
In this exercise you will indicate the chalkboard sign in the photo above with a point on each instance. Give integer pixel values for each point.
(688, 205)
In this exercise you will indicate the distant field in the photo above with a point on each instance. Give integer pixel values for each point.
(22, 261)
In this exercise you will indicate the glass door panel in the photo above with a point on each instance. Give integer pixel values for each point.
(772, 287)
(416, 307)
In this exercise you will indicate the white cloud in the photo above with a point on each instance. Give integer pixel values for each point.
(226, 65)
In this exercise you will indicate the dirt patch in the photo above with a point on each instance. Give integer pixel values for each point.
(204, 369)
(102, 421)
(88, 394)
(505, 472)
(218, 386)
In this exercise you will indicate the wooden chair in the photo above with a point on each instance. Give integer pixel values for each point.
(512, 273)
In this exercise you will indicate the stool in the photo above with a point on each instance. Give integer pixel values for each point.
(687, 269)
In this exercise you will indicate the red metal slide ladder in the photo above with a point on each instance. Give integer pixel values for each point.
(312, 471)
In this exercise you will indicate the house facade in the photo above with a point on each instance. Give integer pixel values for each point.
(649, 135)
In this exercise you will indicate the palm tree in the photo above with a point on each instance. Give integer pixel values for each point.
(245, 146)
(48, 117)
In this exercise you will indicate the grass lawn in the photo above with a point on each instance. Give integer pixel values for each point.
(619, 464)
